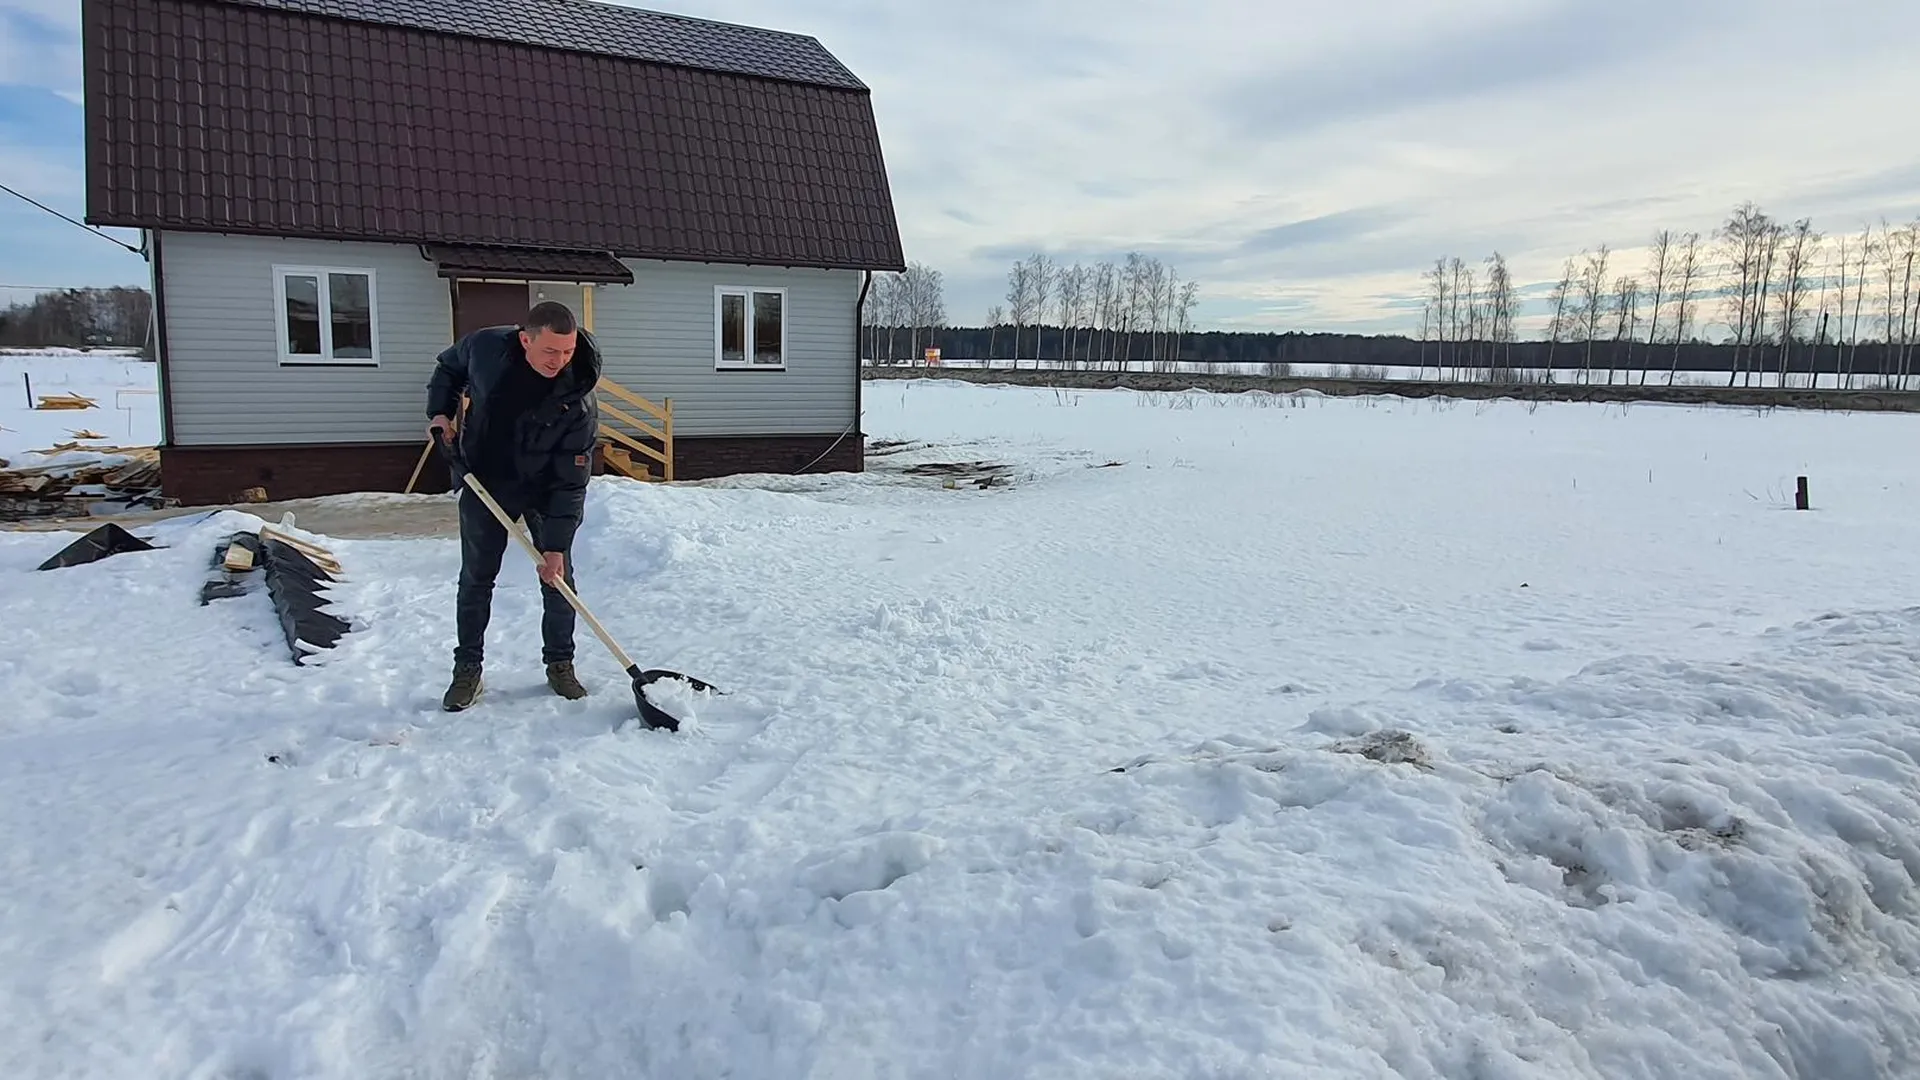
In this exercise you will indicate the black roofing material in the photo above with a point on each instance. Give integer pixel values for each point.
(106, 541)
(295, 583)
(222, 583)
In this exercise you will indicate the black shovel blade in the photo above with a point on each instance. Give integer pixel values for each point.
(654, 716)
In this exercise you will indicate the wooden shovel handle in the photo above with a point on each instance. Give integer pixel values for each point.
(519, 530)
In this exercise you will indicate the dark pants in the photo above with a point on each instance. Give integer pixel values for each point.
(483, 542)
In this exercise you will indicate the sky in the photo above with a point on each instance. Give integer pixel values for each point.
(1304, 162)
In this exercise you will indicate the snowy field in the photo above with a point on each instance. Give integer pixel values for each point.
(125, 388)
(1230, 737)
(1599, 376)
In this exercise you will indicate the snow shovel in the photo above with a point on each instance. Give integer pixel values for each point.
(653, 715)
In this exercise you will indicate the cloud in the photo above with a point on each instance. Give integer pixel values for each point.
(40, 45)
(1305, 162)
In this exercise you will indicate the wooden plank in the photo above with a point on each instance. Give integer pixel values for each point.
(635, 400)
(617, 434)
(635, 422)
(321, 557)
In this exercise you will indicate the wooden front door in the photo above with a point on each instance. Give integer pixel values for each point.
(480, 304)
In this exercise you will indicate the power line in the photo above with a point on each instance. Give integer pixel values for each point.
(69, 220)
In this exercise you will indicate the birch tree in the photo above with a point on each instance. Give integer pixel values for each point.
(1561, 319)
(1501, 308)
(1041, 276)
(1659, 265)
(1863, 253)
(1626, 309)
(1072, 288)
(926, 304)
(1439, 292)
(1798, 252)
(1020, 301)
(1686, 279)
(1592, 305)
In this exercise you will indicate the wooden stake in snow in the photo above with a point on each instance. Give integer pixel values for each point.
(1800, 495)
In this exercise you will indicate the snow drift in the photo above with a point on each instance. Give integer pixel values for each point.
(1330, 740)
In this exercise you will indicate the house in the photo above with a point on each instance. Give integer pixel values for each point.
(329, 191)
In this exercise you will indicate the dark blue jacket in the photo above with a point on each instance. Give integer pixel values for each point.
(545, 457)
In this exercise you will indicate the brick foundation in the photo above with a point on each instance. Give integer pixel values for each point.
(209, 475)
(720, 455)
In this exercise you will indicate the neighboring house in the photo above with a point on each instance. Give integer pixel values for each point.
(331, 190)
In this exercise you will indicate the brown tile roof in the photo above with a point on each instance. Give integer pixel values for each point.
(611, 29)
(650, 137)
(537, 264)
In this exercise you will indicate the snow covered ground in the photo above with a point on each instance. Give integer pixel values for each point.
(1230, 737)
(125, 388)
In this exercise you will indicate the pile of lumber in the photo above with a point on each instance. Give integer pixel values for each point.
(66, 401)
(120, 473)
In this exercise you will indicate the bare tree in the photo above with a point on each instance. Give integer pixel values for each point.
(1189, 296)
(1749, 242)
(890, 309)
(1686, 277)
(1626, 309)
(1133, 303)
(1801, 247)
(1072, 288)
(996, 318)
(1461, 299)
(1561, 320)
(1863, 252)
(924, 297)
(1020, 301)
(1439, 294)
(1041, 273)
(1501, 308)
(1898, 248)
(1108, 309)
(1659, 265)
(1592, 303)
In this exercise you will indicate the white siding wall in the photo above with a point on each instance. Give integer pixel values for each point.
(223, 369)
(658, 335)
(228, 386)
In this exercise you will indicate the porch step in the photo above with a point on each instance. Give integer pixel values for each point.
(622, 462)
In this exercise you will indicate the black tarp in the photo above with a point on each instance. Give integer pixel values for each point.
(101, 543)
(222, 583)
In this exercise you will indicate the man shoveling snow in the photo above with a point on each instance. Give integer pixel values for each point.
(528, 436)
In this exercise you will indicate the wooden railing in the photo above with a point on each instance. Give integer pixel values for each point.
(617, 444)
(623, 433)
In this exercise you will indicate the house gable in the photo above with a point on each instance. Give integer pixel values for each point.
(688, 141)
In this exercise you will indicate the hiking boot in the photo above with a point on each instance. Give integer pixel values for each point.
(561, 678)
(466, 688)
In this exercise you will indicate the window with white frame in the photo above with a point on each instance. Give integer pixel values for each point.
(325, 315)
(750, 328)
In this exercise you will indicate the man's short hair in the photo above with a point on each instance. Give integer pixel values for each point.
(548, 315)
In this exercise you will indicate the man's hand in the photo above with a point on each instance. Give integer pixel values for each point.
(553, 566)
(443, 425)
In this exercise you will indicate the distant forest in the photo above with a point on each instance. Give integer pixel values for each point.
(1790, 300)
(115, 317)
(1361, 356)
